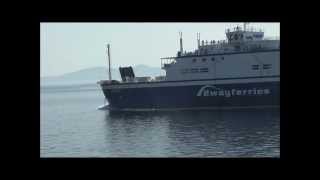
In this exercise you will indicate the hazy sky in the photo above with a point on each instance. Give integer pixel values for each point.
(68, 47)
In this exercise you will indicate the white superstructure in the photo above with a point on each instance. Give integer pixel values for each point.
(245, 53)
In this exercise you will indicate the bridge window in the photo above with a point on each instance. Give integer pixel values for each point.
(255, 67)
(183, 71)
(194, 70)
(204, 70)
(267, 66)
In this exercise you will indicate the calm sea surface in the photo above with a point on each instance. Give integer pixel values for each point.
(72, 126)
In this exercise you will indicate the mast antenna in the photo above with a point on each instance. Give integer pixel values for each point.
(109, 60)
(181, 46)
(198, 39)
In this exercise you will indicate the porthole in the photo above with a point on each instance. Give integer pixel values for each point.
(194, 60)
(212, 59)
(204, 59)
(222, 58)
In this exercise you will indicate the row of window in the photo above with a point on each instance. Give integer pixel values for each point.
(265, 66)
(202, 70)
(204, 59)
(205, 50)
(195, 70)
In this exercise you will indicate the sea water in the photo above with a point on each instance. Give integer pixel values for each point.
(71, 125)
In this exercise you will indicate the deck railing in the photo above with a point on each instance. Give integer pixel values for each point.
(272, 38)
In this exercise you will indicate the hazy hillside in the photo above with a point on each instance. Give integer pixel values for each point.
(92, 75)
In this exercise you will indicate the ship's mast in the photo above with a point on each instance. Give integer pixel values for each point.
(109, 60)
(181, 46)
(198, 39)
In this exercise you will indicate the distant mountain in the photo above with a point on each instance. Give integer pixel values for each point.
(92, 75)
(143, 70)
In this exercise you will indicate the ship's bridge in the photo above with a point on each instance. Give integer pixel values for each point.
(244, 34)
(238, 39)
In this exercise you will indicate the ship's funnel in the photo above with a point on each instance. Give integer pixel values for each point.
(126, 73)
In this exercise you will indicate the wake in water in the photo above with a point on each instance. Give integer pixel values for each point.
(104, 106)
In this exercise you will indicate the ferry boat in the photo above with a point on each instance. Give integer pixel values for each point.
(242, 71)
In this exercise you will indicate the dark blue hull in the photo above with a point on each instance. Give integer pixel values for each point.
(206, 96)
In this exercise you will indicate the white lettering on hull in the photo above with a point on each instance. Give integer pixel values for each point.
(209, 90)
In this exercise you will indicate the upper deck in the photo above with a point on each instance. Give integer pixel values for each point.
(225, 47)
(238, 40)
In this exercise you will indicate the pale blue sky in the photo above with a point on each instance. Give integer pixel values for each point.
(68, 47)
